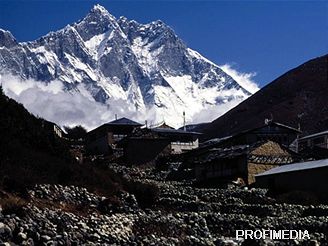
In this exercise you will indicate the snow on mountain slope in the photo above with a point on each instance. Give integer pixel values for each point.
(144, 66)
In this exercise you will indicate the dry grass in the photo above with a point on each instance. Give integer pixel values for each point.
(270, 148)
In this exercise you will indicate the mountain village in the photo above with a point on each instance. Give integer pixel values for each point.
(273, 154)
(258, 172)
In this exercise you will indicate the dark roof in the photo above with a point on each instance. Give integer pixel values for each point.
(174, 131)
(124, 141)
(215, 141)
(246, 149)
(318, 134)
(164, 125)
(222, 153)
(296, 167)
(124, 121)
(287, 127)
(272, 123)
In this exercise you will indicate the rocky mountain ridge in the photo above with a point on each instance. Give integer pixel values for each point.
(147, 66)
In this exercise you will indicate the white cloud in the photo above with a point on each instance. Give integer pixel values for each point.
(51, 102)
(214, 112)
(244, 79)
(77, 107)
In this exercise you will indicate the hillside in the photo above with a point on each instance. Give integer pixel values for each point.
(297, 97)
(31, 154)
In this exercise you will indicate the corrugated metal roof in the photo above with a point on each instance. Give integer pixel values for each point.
(215, 141)
(285, 126)
(296, 167)
(222, 153)
(272, 123)
(314, 135)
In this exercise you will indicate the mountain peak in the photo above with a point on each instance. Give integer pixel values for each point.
(97, 21)
(122, 62)
(7, 39)
(99, 12)
(99, 9)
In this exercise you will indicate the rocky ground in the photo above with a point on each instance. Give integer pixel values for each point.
(180, 215)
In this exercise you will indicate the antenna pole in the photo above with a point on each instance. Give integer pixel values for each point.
(184, 120)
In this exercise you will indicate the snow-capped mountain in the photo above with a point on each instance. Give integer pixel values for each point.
(145, 65)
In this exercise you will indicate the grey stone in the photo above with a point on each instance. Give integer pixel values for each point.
(45, 238)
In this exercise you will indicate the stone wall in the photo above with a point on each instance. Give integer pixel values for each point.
(255, 168)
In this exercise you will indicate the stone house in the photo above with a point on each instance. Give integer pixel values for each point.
(221, 165)
(180, 141)
(103, 139)
(147, 144)
(270, 131)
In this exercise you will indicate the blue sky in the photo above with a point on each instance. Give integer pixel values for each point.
(266, 37)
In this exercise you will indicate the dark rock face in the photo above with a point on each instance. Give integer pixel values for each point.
(110, 56)
(6, 39)
(97, 21)
(297, 97)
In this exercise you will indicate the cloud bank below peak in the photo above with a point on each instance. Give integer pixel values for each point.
(69, 108)
(246, 80)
